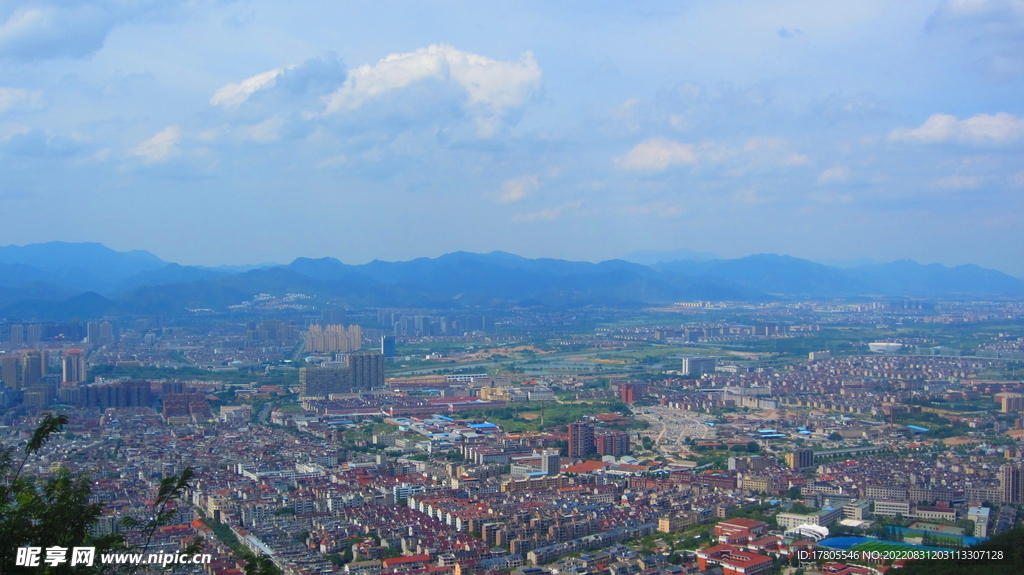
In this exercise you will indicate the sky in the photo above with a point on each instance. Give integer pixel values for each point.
(231, 132)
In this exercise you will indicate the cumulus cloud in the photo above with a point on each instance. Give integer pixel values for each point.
(492, 87)
(835, 174)
(13, 98)
(1001, 128)
(515, 189)
(656, 154)
(160, 147)
(546, 214)
(234, 94)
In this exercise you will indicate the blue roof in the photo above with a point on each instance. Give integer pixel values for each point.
(916, 428)
(480, 425)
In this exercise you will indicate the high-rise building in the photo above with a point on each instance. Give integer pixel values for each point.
(1011, 482)
(631, 392)
(17, 333)
(550, 462)
(74, 366)
(358, 373)
(698, 365)
(367, 371)
(1010, 402)
(800, 459)
(10, 370)
(33, 333)
(334, 338)
(581, 439)
(99, 332)
(323, 381)
(387, 346)
(119, 394)
(612, 442)
(33, 367)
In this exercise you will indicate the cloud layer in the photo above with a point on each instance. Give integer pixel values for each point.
(363, 130)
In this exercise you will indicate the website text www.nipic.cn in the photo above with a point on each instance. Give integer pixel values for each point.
(54, 556)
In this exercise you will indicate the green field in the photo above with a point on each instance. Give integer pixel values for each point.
(884, 546)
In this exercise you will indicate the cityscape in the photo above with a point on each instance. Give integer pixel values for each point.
(658, 287)
(686, 437)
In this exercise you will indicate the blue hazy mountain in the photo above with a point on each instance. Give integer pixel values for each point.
(911, 278)
(81, 266)
(650, 257)
(82, 280)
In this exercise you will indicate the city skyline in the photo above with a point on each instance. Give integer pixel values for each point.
(248, 132)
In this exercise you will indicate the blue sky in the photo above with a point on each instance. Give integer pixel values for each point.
(212, 132)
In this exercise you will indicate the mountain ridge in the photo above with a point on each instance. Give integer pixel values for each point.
(34, 281)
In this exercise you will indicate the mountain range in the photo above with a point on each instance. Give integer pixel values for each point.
(59, 280)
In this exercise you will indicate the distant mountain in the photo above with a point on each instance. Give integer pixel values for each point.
(59, 280)
(168, 274)
(83, 266)
(781, 275)
(649, 257)
(907, 277)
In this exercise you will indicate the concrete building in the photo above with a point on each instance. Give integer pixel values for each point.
(800, 459)
(980, 516)
(74, 366)
(581, 439)
(892, 508)
(698, 365)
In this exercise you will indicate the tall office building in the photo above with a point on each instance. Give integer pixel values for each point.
(698, 365)
(800, 459)
(1011, 482)
(74, 366)
(581, 439)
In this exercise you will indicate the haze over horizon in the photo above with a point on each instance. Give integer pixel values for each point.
(251, 131)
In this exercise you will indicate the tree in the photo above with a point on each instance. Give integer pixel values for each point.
(57, 513)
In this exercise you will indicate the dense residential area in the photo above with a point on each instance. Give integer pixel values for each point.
(699, 439)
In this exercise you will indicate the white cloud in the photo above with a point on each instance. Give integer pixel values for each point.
(834, 174)
(492, 87)
(657, 154)
(266, 131)
(515, 189)
(234, 94)
(957, 182)
(11, 98)
(1001, 128)
(547, 214)
(160, 147)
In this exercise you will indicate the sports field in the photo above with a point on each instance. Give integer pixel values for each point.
(883, 546)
